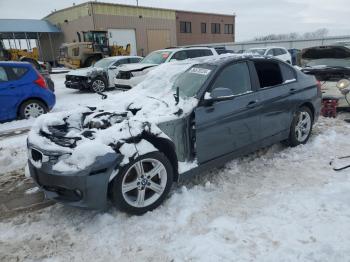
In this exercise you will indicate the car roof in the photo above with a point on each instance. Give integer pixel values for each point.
(227, 58)
(182, 48)
(14, 63)
(267, 47)
(121, 57)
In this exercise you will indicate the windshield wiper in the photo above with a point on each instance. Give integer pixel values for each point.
(177, 95)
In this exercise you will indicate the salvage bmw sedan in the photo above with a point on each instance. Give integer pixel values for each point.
(185, 118)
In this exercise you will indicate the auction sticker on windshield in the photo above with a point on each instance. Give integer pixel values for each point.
(200, 71)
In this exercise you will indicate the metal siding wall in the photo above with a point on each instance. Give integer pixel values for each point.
(298, 44)
(121, 10)
(70, 14)
(46, 47)
(141, 25)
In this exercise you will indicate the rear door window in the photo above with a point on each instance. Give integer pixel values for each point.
(236, 77)
(135, 60)
(199, 53)
(269, 73)
(270, 52)
(3, 75)
(181, 55)
(288, 73)
(123, 61)
(282, 51)
(18, 72)
(277, 51)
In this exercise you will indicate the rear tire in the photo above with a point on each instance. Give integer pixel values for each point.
(301, 127)
(32, 109)
(143, 184)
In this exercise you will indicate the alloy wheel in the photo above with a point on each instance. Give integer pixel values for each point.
(303, 126)
(98, 86)
(144, 182)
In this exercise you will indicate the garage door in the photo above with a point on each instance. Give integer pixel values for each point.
(158, 39)
(123, 37)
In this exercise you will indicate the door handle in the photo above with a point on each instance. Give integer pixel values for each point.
(252, 104)
(292, 91)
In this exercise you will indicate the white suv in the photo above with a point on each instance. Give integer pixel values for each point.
(132, 74)
(278, 52)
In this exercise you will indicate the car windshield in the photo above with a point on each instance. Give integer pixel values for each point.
(192, 80)
(103, 63)
(260, 51)
(157, 57)
(329, 62)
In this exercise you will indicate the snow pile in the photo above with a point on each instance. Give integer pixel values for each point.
(13, 154)
(279, 204)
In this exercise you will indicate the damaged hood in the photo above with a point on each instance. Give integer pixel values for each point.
(135, 67)
(86, 71)
(114, 125)
(326, 56)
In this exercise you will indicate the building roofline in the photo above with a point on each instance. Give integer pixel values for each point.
(134, 6)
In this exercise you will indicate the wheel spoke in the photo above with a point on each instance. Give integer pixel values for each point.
(140, 198)
(155, 171)
(300, 120)
(155, 187)
(299, 134)
(139, 169)
(129, 186)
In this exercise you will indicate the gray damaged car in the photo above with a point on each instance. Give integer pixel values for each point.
(183, 119)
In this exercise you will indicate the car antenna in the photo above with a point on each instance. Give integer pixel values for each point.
(103, 96)
(177, 96)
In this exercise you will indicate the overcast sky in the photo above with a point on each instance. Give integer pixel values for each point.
(254, 17)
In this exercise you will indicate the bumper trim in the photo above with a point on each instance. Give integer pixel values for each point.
(86, 188)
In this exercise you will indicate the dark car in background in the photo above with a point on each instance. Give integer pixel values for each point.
(24, 92)
(183, 119)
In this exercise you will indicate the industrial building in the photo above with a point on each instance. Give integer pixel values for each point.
(146, 29)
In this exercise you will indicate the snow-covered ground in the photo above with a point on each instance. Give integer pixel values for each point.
(278, 204)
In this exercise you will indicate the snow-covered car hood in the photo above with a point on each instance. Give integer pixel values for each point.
(135, 67)
(85, 71)
(116, 122)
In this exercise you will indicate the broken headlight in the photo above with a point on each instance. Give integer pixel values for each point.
(344, 86)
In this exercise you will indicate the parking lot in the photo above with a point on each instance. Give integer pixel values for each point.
(276, 203)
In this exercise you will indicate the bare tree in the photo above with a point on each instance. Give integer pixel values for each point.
(319, 33)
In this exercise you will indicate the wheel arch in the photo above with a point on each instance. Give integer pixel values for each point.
(167, 147)
(311, 107)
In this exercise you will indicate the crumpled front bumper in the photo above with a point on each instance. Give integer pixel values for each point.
(77, 82)
(87, 188)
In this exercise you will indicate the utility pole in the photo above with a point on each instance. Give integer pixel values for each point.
(137, 3)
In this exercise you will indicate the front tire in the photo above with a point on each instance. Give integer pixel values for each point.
(98, 85)
(32, 109)
(143, 184)
(301, 127)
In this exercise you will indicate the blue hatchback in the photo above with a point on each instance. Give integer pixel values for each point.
(24, 92)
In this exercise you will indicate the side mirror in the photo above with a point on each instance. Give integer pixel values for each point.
(218, 94)
(112, 67)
